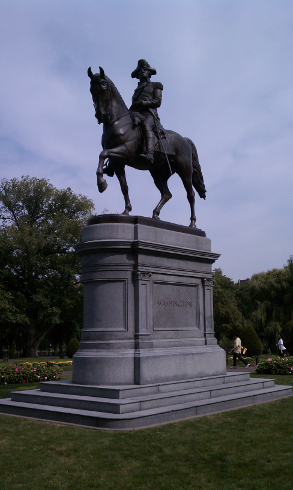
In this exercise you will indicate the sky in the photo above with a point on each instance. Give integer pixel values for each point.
(227, 71)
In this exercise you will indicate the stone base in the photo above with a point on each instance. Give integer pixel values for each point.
(144, 366)
(134, 407)
(148, 354)
(148, 311)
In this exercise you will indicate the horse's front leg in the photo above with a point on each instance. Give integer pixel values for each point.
(162, 185)
(118, 153)
(101, 183)
(120, 172)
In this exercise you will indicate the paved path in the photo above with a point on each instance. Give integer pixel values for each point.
(241, 368)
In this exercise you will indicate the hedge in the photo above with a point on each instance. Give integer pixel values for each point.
(275, 365)
(24, 373)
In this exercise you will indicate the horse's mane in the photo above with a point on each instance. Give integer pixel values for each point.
(115, 89)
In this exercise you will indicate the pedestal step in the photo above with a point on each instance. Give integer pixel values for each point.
(138, 406)
(132, 391)
(144, 402)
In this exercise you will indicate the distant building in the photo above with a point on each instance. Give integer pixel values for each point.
(241, 282)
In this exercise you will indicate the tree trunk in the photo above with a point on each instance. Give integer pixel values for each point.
(34, 341)
(61, 351)
(31, 348)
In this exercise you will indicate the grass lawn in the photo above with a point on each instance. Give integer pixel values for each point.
(251, 360)
(250, 448)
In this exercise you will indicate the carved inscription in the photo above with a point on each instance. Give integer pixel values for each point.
(175, 304)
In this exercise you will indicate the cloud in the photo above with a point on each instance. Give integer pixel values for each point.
(227, 75)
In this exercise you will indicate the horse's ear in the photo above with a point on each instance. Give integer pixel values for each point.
(102, 73)
(90, 73)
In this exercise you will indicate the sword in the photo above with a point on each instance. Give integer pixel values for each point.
(160, 139)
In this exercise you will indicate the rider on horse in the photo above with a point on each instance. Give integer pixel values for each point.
(122, 143)
(146, 99)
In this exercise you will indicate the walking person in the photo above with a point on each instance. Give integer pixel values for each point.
(237, 352)
(281, 347)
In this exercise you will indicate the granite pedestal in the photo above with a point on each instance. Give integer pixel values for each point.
(147, 353)
(148, 309)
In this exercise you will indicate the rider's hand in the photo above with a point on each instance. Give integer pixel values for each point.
(137, 105)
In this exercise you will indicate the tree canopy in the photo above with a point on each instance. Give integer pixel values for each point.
(267, 301)
(227, 316)
(39, 270)
(264, 302)
(40, 291)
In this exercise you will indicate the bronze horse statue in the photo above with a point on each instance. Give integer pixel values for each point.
(122, 143)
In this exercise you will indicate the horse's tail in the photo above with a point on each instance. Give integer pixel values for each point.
(197, 177)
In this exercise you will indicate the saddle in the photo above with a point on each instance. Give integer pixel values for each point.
(163, 140)
(138, 118)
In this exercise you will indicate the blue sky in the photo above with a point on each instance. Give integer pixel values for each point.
(227, 72)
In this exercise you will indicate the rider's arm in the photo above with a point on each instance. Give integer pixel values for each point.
(157, 97)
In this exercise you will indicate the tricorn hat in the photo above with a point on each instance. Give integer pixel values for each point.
(142, 64)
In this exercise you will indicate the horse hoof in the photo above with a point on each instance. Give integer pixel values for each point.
(192, 225)
(155, 216)
(102, 185)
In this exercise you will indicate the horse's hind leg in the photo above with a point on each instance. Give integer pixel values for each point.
(185, 174)
(120, 172)
(161, 184)
(191, 199)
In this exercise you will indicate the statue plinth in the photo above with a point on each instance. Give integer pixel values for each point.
(147, 353)
(148, 310)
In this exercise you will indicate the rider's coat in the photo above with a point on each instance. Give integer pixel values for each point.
(149, 94)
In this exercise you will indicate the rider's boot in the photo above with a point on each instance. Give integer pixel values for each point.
(150, 142)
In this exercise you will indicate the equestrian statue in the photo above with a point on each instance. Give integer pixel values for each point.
(135, 137)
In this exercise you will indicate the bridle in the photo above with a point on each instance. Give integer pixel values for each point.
(108, 106)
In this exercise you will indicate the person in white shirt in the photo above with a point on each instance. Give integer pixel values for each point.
(281, 347)
(237, 352)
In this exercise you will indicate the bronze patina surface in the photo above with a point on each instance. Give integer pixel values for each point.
(135, 137)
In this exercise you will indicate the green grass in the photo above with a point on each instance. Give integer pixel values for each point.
(242, 449)
(280, 379)
(251, 360)
(6, 389)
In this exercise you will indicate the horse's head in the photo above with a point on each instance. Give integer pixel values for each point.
(100, 91)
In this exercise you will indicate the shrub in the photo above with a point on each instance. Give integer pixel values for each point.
(24, 373)
(275, 365)
(271, 331)
(225, 343)
(64, 364)
(251, 341)
(72, 347)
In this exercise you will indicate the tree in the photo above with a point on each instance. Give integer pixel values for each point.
(71, 317)
(267, 301)
(72, 347)
(39, 227)
(9, 316)
(227, 317)
(251, 341)
(288, 337)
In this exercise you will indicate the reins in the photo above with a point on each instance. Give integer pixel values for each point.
(110, 103)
